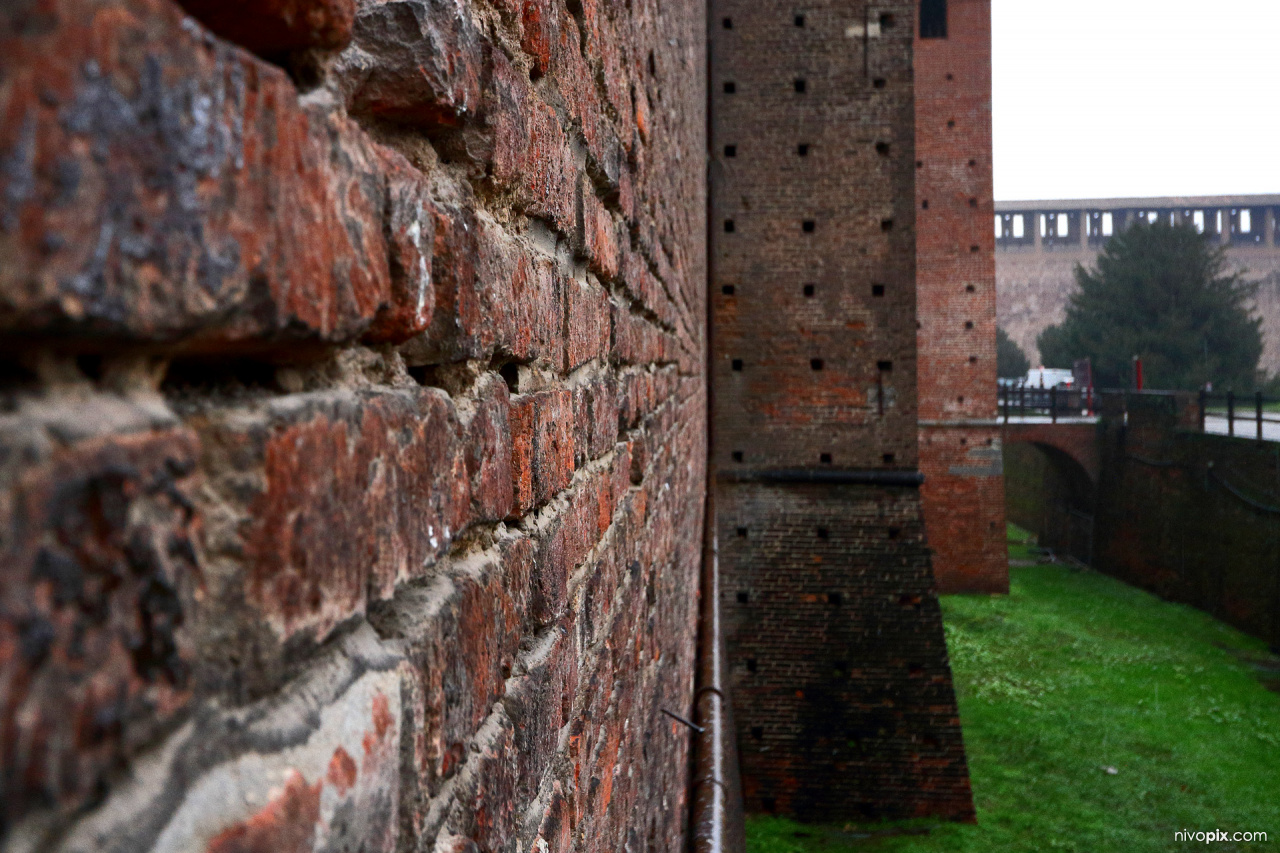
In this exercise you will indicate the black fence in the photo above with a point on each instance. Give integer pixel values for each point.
(1245, 416)
(1024, 401)
(1238, 415)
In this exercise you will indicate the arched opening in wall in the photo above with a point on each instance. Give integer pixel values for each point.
(1049, 493)
(933, 19)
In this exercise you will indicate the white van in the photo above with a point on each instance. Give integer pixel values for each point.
(1050, 377)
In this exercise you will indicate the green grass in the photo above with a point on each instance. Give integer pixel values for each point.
(1022, 545)
(1073, 673)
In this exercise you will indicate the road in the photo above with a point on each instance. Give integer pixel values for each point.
(1246, 427)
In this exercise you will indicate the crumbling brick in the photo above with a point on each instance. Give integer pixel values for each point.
(352, 423)
(99, 575)
(145, 190)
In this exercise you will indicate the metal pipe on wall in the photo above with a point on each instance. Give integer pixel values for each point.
(717, 791)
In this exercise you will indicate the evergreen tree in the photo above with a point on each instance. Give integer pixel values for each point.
(1163, 293)
(1011, 361)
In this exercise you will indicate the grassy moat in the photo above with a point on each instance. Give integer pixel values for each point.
(1097, 718)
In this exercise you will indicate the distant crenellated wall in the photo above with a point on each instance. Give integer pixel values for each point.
(1035, 260)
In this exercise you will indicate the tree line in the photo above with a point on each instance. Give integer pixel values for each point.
(1163, 293)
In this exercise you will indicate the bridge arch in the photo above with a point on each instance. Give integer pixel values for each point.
(1079, 441)
(1051, 479)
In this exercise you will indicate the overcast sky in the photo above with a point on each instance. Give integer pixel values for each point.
(1121, 98)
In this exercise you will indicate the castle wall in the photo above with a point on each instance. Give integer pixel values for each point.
(1186, 515)
(1035, 275)
(352, 423)
(960, 452)
(813, 366)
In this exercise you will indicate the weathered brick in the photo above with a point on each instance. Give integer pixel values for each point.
(143, 186)
(604, 417)
(415, 61)
(315, 764)
(394, 364)
(492, 295)
(409, 226)
(531, 155)
(542, 447)
(462, 633)
(352, 804)
(553, 444)
(539, 703)
(541, 23)
(600, 242)
(595, 430)
(587, 324)
(98, 577)
(523, 296)
(555, 829)
(351, 494)
(277, 26)
(523, 423)
(489, 452)
(606, 50)
(485, 812)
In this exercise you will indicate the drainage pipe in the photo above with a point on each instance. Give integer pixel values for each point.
(717, 793)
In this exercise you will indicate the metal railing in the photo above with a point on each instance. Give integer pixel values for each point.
(1025, 401)
(1241, 416)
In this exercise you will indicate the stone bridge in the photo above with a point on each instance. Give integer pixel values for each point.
(1146, 495)
(1076, 439)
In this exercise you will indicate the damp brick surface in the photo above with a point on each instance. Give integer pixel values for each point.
(352, 417)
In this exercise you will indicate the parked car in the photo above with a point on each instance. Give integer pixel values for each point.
(1050, 377)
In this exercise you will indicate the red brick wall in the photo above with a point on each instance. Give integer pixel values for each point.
(841, 686)
(844, 705)
(956, 300)
(787, 300)
(351, 423)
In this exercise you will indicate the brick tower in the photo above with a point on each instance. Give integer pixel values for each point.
(843, 692)
(956, 298)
